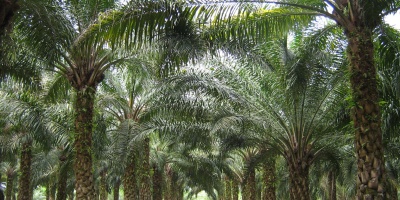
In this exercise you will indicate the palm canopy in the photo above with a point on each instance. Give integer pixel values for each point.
(239, 103)
(53, 29)
(358, 20)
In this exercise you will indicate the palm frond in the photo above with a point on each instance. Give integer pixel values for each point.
(44, 27)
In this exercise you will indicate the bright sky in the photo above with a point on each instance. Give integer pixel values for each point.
(394, 20)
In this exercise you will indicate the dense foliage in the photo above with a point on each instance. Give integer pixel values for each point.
(166, 99)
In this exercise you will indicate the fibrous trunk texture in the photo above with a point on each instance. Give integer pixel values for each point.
(116, 190)
(24, 188)
(52, 191)
(10, 185)
(129, 179)
(145, 184)
(157, 183)
(168, 182)
(71, 196)
(391, 186)
(62, 179)
(366, 115)
(298, 175)
(235, 190)
(269, 179)
(84, 185)
(178, 191)
(332, 185)
(228, 188)
(103, 186)
(249, 191)
(173, 190)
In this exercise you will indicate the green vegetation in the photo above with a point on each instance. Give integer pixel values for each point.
(171, 99)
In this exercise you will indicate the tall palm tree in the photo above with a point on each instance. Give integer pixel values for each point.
(10, 169)
(57, 29)
(126, 97)
(26, 116)
(192, 160)
(358, 20)
(298, 120)
(78, 40)
(387, 59)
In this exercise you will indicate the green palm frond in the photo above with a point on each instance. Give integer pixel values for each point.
(9, 167)
(19, 64)
(60, 89)
(44, 26)
(257, 21)
(44, 165)
(139, 21)
(86, 12)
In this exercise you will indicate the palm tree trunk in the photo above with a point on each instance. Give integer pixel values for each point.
(31, 192)
(332, 185)
(48, 192)
(228, 188)
(62, 181)
(52, 191)
(235, 190)
(157, 183)
(24, 189)
(177, 190)
(249, 191)
(222, 191)
(269, 179)
(168, 182)
(129, 179)
(366, 115)
(174, 189)
(145, 193)
(392, 189)
(103, 186)
(84, 185)
(117, 185)
(298, 175)
(71, 195)
(10, 185)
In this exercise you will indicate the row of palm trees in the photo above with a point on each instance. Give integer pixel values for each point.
(287, 112)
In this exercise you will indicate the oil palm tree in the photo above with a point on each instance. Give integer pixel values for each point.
(58, 35)
(126, 97)
(299, 112)
(358, 20)
(78, 46)
(27, 129)
(10, 169)
(387, 60)
(301, 115)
